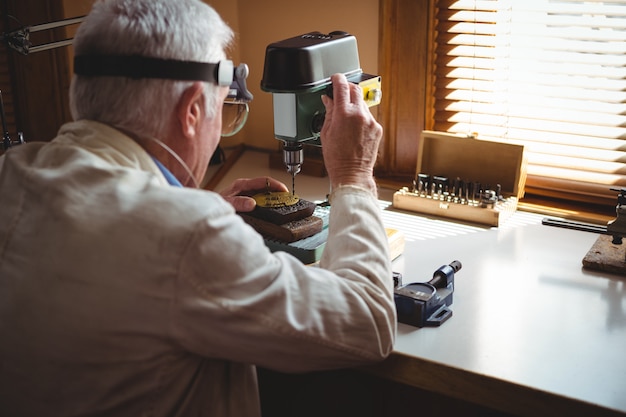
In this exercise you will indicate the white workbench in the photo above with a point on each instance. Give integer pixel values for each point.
(532, 332)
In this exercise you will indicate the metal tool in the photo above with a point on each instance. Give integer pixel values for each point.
(427, 303)
(615, 228)
(7, 142)
(19, 39)
(423, 180)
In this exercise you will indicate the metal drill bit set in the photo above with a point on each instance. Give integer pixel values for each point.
(465, 178)
(459, 191)
(467, 201)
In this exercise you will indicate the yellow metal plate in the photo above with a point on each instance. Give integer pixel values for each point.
(276, 199)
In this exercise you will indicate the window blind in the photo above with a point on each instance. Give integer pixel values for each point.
(548, 74)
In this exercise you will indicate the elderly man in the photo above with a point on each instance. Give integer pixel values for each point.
(127, 291)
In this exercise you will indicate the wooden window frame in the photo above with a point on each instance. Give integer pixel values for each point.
(405, 59)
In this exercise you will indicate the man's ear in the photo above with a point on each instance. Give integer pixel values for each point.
(190, 109)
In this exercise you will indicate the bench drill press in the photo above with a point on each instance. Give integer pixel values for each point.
(297, 72)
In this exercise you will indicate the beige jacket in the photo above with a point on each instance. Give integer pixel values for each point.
(123, 296)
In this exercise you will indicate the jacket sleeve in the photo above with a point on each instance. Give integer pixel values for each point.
(237, 301)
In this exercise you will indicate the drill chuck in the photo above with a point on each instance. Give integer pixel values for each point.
(292, 157)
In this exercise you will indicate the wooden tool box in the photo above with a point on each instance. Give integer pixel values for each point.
(471, 160)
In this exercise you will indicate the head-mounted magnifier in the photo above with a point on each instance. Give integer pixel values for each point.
(223, 73)
(235, 108)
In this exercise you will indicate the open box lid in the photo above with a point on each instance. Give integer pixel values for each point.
(472, 159)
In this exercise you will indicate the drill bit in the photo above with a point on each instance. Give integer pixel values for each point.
(293, 184)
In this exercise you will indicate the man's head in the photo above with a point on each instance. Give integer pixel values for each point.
(184, 30)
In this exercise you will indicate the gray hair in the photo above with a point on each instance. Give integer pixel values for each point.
(188, 30)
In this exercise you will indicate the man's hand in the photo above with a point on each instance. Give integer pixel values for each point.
(350, 136)
(239, 192)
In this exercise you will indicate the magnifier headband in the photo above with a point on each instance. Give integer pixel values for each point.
(223, 73)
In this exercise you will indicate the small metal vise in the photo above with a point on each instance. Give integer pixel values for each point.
(422, 304)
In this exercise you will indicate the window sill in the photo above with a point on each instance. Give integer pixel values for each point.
(584, 212)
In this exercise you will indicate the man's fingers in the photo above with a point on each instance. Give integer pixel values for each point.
(242, 204)
(356, 94)
(263, 183)
(249, 186)
(341, 90)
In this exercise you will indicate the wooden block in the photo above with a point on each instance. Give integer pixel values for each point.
(284, 214)
(491, 216)
(396, 242)
(287, 232)
(607, 257)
